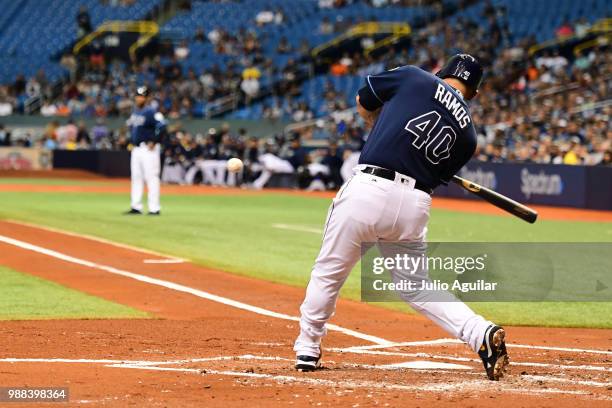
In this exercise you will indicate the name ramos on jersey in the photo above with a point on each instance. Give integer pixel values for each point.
(453, 105)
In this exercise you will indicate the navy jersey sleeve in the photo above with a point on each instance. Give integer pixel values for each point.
(385, 85)
(380, 88)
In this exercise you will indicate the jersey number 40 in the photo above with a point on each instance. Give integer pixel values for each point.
(424, 127)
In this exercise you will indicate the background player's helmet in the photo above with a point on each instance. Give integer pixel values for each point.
(142, 91)
(464, 67)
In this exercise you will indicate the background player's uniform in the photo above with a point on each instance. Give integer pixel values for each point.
(423, 135)
(146, 126)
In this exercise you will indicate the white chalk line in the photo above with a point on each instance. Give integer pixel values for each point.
(298, 228)
(180, 288)
(379, 342)
(567, 380)
(456, 341)
(416, 365)
(466, 359)
(163, 261)
(432, 387)
(174, 259)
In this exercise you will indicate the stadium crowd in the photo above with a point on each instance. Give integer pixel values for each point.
(543, 109)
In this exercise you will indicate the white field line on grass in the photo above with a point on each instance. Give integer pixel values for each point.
(163, 261)
(378, 342)
(180, 288)
(167, 258)
(299, 228)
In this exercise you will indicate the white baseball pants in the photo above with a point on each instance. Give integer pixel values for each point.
(372, 209)
(271, 164)
(213, 172)
(145, 166)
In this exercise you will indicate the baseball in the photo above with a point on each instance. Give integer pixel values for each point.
(234, 165)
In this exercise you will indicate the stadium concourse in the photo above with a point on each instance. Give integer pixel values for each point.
(545, 106)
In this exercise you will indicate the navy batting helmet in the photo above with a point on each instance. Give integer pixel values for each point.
(465, 68)
(142, 91)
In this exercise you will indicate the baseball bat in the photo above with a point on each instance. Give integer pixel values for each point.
(507, 204)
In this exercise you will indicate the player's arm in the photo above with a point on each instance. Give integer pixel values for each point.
(156, 121)
(379, 89)
(458, 160)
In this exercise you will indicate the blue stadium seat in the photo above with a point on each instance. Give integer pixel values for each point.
(23, 38)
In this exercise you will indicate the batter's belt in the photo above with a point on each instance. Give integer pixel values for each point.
(390, 175)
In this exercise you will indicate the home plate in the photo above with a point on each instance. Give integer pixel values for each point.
(425, 365)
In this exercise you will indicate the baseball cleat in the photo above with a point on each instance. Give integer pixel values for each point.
(493, 352)
(307, 363)
(154, 213)
(133, 211)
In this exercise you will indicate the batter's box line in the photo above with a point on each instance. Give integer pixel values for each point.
(462, 385)
(465, 385)
(456, 341)
(466, 359)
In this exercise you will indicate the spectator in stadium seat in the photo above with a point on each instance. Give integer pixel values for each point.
(582, 27)
(99, 132)
(302, 113)
(607, 159)
(326, 27)
(565, 29)
(573, 155)
(338, 69)
(5, 136)
(83, 139)
(6, 108)
(181, 51)
(283, 46)
(19, 85)
(250, 81)
(83, 22)
(199, 35)
(214, 36)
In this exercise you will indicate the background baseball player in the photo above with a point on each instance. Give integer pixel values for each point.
(146, 126)
(422, 136)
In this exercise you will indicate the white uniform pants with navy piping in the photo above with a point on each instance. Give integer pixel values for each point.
(372, 209)
(145, 167)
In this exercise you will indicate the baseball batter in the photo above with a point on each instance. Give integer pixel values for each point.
(422, 135)
(146, 126)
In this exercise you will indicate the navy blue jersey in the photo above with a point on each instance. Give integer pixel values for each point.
(424, 129)
(145, 125)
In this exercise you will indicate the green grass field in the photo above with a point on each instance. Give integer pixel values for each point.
(237, 234)
(29, 297)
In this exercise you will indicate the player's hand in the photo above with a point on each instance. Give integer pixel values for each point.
(369, 117)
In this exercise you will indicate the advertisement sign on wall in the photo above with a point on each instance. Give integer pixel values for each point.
(24, 158)
(529, 183)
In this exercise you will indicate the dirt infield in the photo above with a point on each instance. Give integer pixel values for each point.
(121, 186)
(223, 340)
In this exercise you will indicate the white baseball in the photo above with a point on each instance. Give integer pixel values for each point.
(234, 165)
